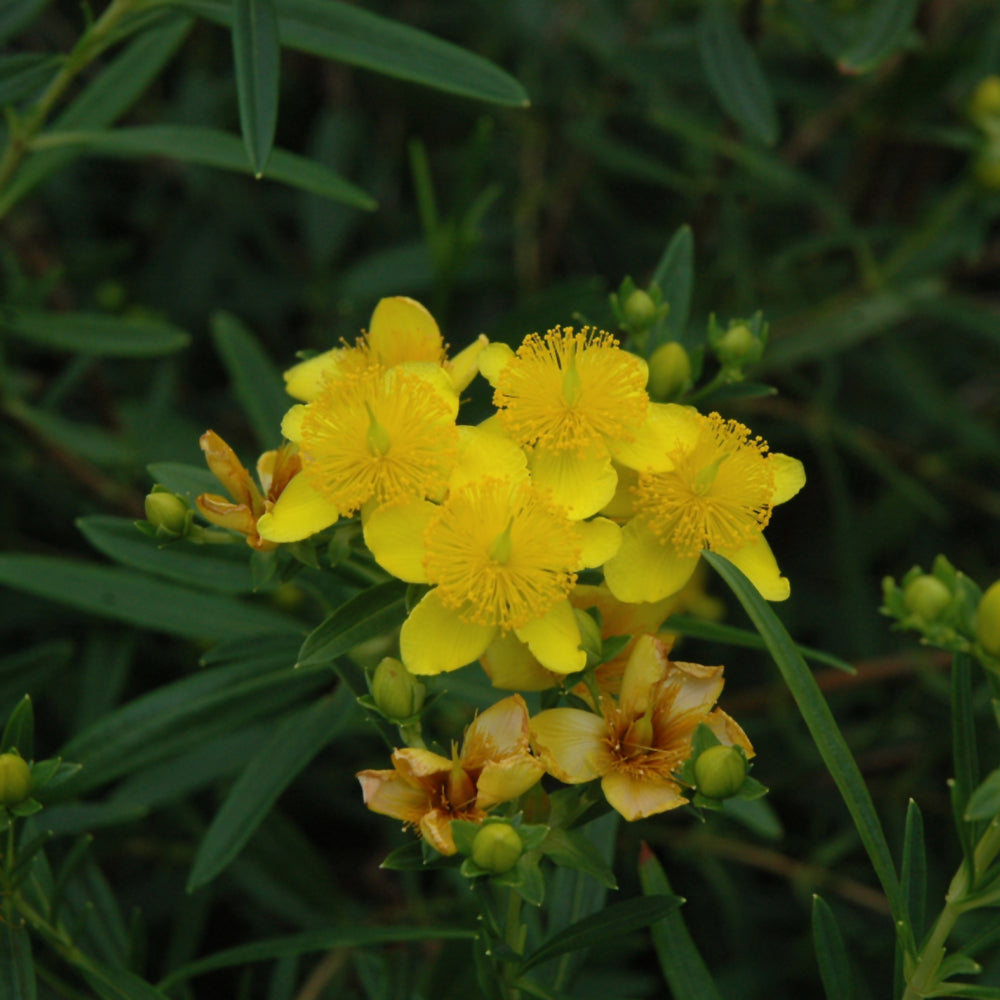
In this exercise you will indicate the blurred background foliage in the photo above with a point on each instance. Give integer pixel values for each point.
(821, 153)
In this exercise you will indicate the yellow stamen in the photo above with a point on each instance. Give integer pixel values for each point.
(571, 391)
(500, 553)
(717, 496)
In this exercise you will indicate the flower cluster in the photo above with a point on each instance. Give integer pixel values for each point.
(578, 469)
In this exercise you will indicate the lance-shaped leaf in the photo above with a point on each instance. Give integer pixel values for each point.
(95, 334)
(257, 58)
(884, 28)
(831, 955)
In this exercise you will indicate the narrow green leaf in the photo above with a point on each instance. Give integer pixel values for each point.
(734, 73)
(571, 849)
(834, 969)
(681, 962)
(187, 480)
(966, 990)
(17, 970)
(822, 24)
(984, 803)
(171, 720)
(258, 385)
(111, 983)
(311, 941)
(345, 33)
(371, 613)
(109, 95)
(95, 333)
(257, 58)
(94, 444)
(15, 14)
(618, 919)
(884, 28)
(19, 733)
(675, 276)
(278, 761)
(212, 148)
(535, 989)
(23, 74)
(128, 596)
(733, 636)
(913, 871)
(822, 725)
(225, 568)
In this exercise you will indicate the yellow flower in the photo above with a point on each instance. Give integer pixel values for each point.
(638, 743)
(576, 400)
(717, 493)
(428, 791)
(501, 557)
(401, 330)
(276, 471)
(370, 436)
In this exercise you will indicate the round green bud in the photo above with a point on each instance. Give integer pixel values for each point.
(497, 848)
(15, 779)
(669, 371)
(986, 166)
(640, 310)
(926, 596)
(398, 694)
(984, 105)
(719, 772)
(736, 343)
(988, 620)
(167, 511)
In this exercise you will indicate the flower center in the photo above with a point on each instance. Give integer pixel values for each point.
(717, 496)
(501, 553)
(377, 433)
(571, 390)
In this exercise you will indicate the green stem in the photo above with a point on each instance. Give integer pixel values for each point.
(932, 953)
(89, 46)
(514, 931)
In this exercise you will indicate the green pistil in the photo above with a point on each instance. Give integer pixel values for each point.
(571, 386)
(378, 437)
(501, 548)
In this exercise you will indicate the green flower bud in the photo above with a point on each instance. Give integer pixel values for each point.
(984, 105)
(719, 772)
(669, 371)
(167, 512)
(497, 848)
(15, 779)
(396, 692)
(590, 636)
(988, 620)
(736, 344)
(926, 596)
(640, 310)
(986, 166)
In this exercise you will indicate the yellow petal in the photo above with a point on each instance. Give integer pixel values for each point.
(493, 360)
(572, 744)
(646, 569)
(511, 667)
(464, 366)
(395, 535)
(305, 380)
(580, 484)
(789, 477)
(637, 797)
(647, 666)
(622, 505)
(299, 512)
(554, 639)
(483, 452)
(503, 780)
(434, 639)
(667, 427)
(435, 828)
(421, 767)
(728, 731)
(757, 561)
(619, 617)
(291, 423)
(601, 540)
(401, 329)
(501, 729)
(698, 688)
(387, 793)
